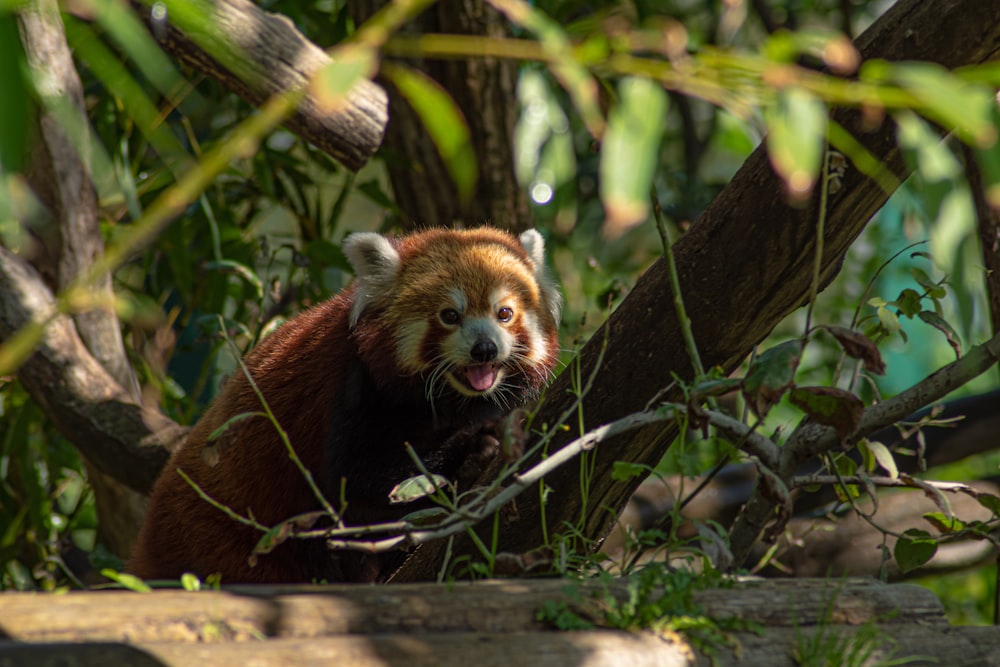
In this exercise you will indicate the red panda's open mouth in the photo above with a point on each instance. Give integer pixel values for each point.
(476, 379)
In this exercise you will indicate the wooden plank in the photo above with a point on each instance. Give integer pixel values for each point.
(253, 612)
(776, 647)
(551, 649)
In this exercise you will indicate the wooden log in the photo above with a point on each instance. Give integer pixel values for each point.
(488, 624)
(303, 612)
(606, 648)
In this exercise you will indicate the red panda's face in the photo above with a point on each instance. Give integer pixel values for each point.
(467, 310)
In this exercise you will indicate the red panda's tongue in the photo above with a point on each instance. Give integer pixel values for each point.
(481, 376)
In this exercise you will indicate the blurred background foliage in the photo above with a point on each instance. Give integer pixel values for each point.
(263, 241)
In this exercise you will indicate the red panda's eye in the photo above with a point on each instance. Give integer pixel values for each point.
(450, 316)
(504, 314)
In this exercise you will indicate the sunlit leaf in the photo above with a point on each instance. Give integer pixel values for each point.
(796, 137)
(881, 455)
(416, 488)
(444, 123)
(129, 581)
(332, 84)
(630, 152)
(943, 522)
(932, 158)
(958, 105)
(574, 77)
(190, 582)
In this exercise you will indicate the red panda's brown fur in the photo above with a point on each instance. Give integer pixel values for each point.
(347, 381)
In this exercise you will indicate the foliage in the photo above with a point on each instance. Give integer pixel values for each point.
(656, 85)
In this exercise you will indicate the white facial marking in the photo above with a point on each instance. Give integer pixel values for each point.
(409, 341)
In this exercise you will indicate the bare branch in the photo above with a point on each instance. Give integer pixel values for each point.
(122, 438)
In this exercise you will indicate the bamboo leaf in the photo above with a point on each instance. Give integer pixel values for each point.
(796, 137)
(444, 123)
(630, 153)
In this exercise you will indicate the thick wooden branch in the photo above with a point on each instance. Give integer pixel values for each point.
(274, 57)
(744, 265)
(120, 437)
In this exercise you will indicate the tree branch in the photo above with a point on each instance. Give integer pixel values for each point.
(274, 57)
(811, 439)
(122, 438)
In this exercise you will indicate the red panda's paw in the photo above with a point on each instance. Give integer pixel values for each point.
(494, 439)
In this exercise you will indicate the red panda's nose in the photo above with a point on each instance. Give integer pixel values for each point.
(483, 350)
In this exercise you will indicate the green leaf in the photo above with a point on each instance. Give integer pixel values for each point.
(881, 454)
(416, 488)
(771, 375)
(914, 548)
(990, 502)
(988, 159)
(284, 530)
(16, 107)
(939, 323)
(630, 153)
(908, 302)
(888, 319)
(933, 159)
(944, 522)
(326, 254)
(796, 137)
(190, 582)
(129, 581)
(960, 106)
(232, 421)
(444, 123)
(830, 406)
(242, 270)
(622, 471)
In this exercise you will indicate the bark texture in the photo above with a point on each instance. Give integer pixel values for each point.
(257, 54)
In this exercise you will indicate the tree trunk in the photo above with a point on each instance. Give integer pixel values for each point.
(485, 90)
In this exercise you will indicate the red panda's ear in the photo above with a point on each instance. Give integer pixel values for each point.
(376, 263)
(534, 245)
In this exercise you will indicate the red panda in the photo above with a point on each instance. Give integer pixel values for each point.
(441, 333)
